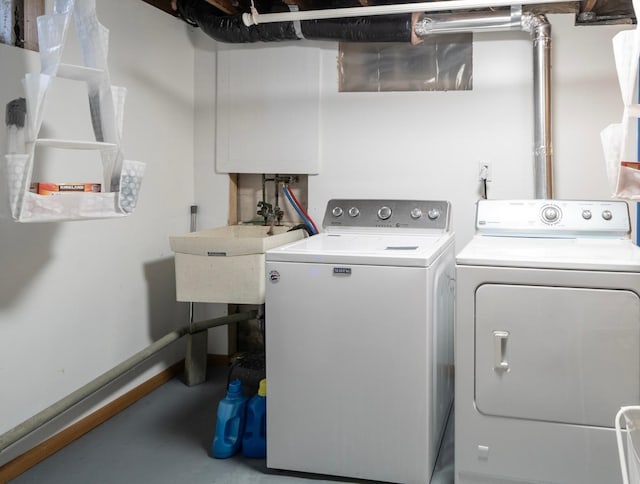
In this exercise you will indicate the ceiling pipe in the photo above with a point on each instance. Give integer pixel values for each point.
(231, 29)
(255, 18)
(540, 29)
(468, 22)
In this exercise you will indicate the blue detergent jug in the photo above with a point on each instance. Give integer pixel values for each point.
(254, 442)
(230, 422)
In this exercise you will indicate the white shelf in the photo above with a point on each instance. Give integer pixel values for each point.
(76, 145)
(79, 73)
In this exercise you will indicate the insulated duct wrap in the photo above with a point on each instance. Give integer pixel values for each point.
(231, 29)
(390, 28)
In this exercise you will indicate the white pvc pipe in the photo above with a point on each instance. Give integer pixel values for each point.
(255, 18)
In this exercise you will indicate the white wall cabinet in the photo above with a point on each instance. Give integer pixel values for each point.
(268, 108)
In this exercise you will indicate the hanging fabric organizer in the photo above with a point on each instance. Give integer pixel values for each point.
(624, 176)
(121, 178)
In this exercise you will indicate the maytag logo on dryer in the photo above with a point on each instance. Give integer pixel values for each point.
(342, 271)
(274, 276)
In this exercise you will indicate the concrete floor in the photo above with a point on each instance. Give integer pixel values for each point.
(166, 438)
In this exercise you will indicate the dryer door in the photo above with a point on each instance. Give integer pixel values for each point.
(559, 354)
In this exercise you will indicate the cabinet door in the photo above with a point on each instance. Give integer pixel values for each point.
(558, 354)
(268, 108)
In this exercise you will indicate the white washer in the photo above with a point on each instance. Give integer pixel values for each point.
(359, 342)
(547, 342)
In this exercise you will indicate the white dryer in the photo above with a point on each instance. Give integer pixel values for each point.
(547, 342)
(359, 342)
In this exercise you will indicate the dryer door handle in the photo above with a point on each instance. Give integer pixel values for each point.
(500, 339)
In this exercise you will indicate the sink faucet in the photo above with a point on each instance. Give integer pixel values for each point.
(265, 211)
(270, 214)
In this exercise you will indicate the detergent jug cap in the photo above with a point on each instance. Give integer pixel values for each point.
(262, 389)
(235, 389)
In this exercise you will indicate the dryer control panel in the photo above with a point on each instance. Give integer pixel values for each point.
(553, 218)
(431, 215)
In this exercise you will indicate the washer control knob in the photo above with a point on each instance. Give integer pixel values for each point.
(550, 214)
(337, 211)
(433, 214)
(607, 215)
(416, 213)
(384, 213)
(354, 212)
(586, 214)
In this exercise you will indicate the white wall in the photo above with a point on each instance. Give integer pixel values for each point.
(77, 298)
(427, 145)
(211, 189)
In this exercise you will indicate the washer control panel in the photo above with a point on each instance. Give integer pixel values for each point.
(553, 218)
(391, 214)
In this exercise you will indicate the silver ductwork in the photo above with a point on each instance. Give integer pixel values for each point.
(447, 23)
(540, 29)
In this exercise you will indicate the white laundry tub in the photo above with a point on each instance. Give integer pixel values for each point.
(226, 264)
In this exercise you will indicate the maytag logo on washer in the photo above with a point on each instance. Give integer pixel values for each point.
(342, 270)
(274, 276)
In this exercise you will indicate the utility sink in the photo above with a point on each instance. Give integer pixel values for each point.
(226, 264)
(233, 240)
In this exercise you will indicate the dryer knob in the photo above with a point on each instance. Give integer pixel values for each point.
(337, 211)
(384, 213)
(416, 213)
(354, 212)
(586, 214)
(550, 214)
(607, 215)
(433, 214)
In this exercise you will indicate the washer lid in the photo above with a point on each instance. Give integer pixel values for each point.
(579, 253)
(408, 250)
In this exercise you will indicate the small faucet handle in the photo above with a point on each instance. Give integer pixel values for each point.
(266, 209)
(278, 214)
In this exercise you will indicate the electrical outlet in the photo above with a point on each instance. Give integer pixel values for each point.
(484, 171)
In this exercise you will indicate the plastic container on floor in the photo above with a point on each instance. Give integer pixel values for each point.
(230, 423)
(629, 455)
(254, 442)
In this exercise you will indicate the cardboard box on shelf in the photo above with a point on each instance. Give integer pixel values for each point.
(42, 188)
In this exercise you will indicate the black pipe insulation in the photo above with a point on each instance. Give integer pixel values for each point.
(387, 28)
(231, 28)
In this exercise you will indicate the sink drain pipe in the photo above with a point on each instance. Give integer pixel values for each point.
(49, 413)
(540, 30)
